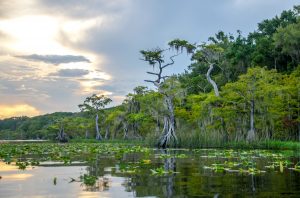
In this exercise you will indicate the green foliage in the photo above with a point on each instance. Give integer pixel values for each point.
(153, 56)
(180, 45)
(287, 39)
(262, 67)
(94, 103)
(88, 180)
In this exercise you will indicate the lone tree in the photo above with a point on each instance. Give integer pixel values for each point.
(61, 135)
(156, 59)
(94, 105)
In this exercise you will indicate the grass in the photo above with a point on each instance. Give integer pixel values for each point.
(200, 142)
(208, 143)
(270, 144)
(117, 141)
(194, 142)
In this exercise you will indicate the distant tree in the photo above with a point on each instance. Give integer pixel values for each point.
(287, 39)
(94, 105)
(265, 51)
(133, 109)
(57, 127)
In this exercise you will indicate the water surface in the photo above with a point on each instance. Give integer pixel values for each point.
(160, 173)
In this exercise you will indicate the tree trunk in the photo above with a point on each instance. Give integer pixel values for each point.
(115, 133)
(86, 134)
(251, 132)
(169, 124)
(62, 137)
(125, 128)
(213, 83)
(136, 131)
(98, 135)
(106, 133)
(157, 128)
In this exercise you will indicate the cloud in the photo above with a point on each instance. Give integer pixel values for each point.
(78, 9)
(116, 88)
(108, 35)
(15, 7)
(17, 110)
(71, 73)
(55, 59)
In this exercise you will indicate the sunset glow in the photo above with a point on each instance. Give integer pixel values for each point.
(55, 53)
(18, 110)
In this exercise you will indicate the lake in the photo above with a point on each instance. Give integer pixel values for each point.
(97, 170)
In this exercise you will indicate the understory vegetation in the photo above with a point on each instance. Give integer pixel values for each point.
(237, 89)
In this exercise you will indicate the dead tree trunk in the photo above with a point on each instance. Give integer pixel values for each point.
(86, 134)
(125, 128)
(251, 132)
(217, 94)
(213, 83)
(98, 134)
(169, 124)
(136, 133)
(157, 126)
(106, 132)
(155, 58)
(62, 137)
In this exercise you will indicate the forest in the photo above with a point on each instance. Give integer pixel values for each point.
(235, 89)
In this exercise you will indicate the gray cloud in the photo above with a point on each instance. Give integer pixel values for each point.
(127, 27)
(70, 73)
(115, 88)
(78, 9)
(55, 59)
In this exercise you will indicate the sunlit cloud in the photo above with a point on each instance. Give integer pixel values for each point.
(54, 53)
(92, 81)
(17, 110)
(16, 69)
(32, 34)
(75, 29)
(38, 47)
(98, 75)
(40, 33)
(88, 87)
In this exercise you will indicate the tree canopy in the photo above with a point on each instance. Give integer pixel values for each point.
(234, 84)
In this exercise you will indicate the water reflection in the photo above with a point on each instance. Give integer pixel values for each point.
(9, 172)
(129, 175)
(169, 166)
(7, 168)
(14, 177)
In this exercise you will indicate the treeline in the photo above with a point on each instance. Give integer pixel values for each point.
(39, 127)
(235, 89)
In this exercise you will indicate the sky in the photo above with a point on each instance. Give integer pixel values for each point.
(55, 53)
